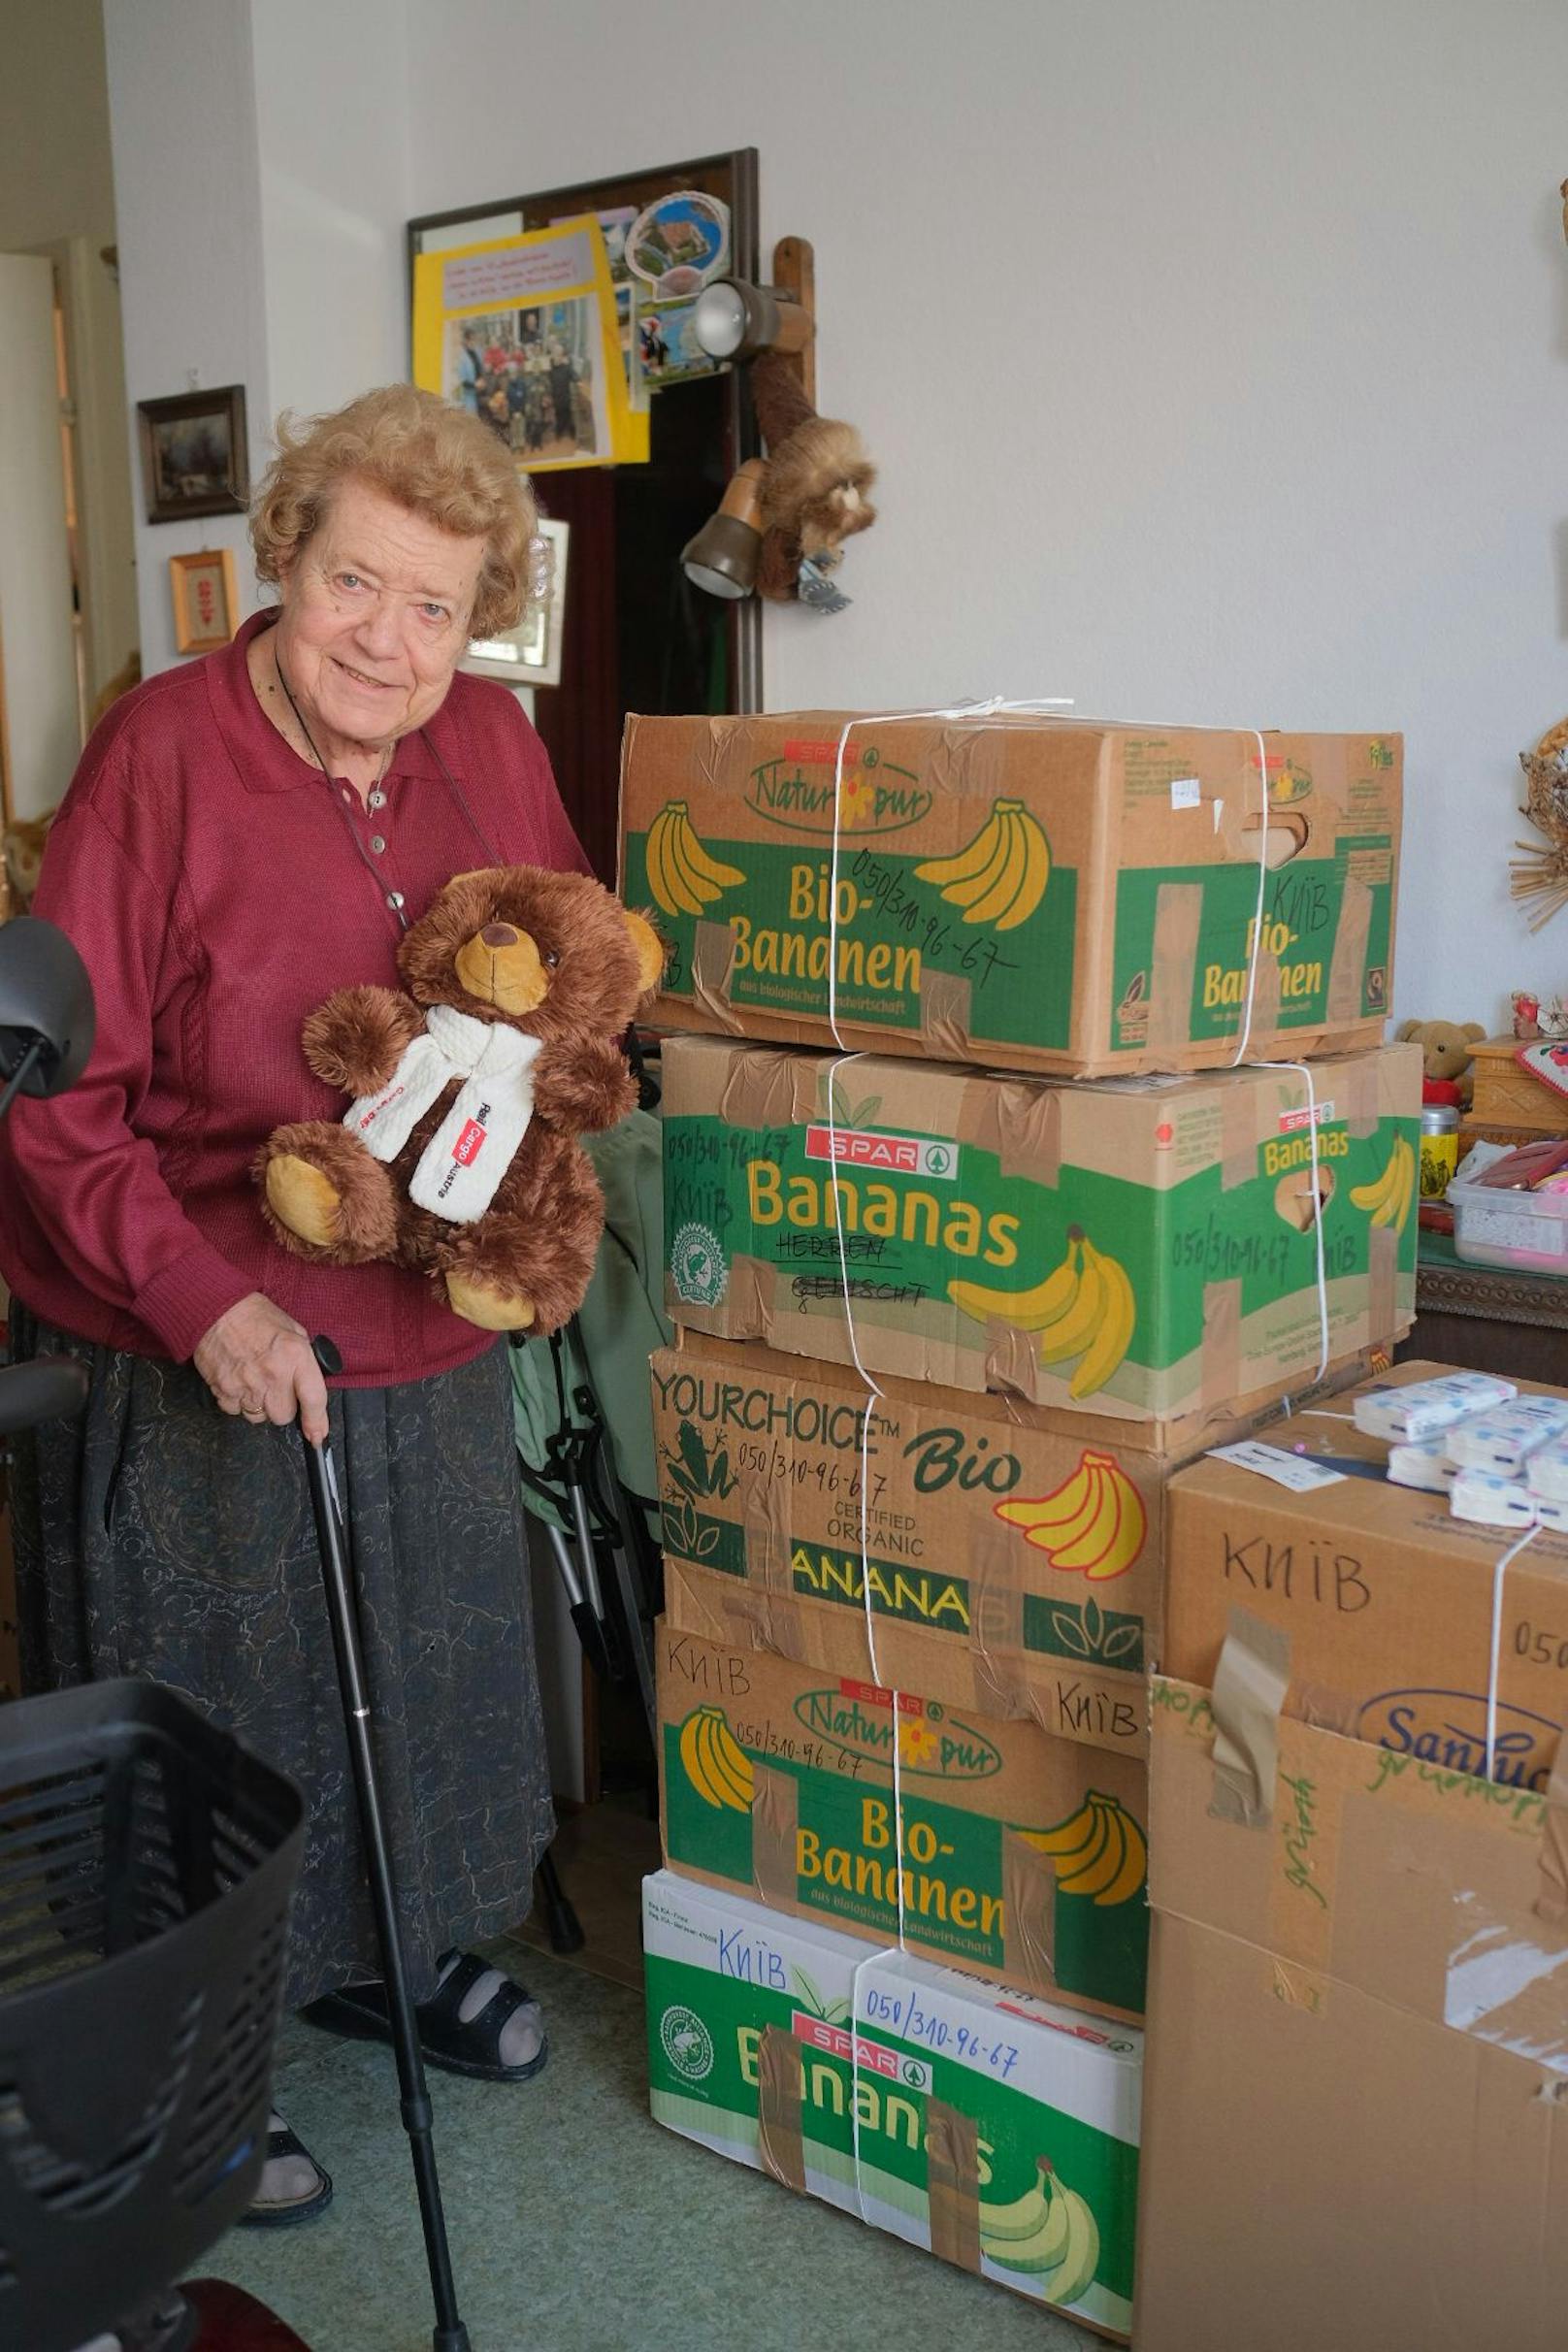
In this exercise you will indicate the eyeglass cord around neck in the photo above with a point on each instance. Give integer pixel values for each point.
(390, 899)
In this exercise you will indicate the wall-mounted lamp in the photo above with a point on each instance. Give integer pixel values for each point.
(733, 319)
(783, 522)
(724, 556)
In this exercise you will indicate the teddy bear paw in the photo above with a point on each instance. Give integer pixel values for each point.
(304, 1199)
(484, 1303)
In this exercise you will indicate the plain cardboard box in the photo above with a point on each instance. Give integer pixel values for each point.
(943, 1200)
(1116, 931)
(1357, 2122)
(750, 2054)
(1383, 1600)
(777, 1781)
(761, 1463)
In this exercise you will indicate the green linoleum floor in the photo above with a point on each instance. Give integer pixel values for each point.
(577, 2225)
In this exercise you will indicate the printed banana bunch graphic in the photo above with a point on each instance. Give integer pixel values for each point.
(1000, 878)
(1093, 1522)
(717, 1766)
(1390, 1196)
(1048, 2233)
(1084, 1307)
(1100, 1853)
(681, 874)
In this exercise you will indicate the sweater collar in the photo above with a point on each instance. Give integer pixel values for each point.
(263, 761)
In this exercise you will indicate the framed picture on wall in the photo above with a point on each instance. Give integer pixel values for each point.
(193, 454)
(205, 599)
(530, 655)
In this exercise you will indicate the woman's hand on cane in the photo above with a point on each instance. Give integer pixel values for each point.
(258, 1364)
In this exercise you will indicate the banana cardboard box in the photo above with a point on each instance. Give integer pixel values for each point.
(1024, 893)
(1014, 1556)
(1010, 1853)
(1385, 1610)
(1150, 1250)
(1356, 2121)
(996, 2130)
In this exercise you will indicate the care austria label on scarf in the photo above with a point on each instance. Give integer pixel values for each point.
(465, 1161)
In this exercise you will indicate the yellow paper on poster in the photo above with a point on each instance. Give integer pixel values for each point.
(522, 332)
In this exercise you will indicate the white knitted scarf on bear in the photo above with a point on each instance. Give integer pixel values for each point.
(478, 1140)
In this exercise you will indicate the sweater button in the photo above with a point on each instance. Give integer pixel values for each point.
(394, 898)
(377, 799)
(378, 843)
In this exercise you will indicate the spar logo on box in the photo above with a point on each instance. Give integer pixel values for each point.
(887, 1155)
(1293, 1122)
(870, 2057)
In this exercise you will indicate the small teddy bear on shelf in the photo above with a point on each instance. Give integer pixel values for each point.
(1447, 1049)
(459, 1153)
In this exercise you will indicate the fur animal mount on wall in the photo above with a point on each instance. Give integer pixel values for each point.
(815, 493)
(458, 1155)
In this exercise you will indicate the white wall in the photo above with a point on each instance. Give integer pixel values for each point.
(187, 199)
(259, 172)
(1215, 356)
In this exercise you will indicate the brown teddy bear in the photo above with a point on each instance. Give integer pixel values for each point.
(458, 1155)
(1448, 1047)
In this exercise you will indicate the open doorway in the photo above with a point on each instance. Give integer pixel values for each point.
(68, 603)
(634, 635)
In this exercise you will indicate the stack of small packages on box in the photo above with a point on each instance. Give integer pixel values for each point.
(950, 1311)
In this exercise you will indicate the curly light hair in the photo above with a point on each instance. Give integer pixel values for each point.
(437, 460)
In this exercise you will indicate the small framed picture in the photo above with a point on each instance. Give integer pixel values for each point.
(193, 454)
(530, 655)
(205, 604)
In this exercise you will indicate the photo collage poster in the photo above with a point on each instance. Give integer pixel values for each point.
(523, 332)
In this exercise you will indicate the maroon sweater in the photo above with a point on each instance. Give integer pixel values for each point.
(209, 878)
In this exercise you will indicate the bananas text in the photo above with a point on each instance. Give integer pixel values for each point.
(916, 1217)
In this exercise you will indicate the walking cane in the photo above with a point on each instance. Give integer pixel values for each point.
(451, 2335)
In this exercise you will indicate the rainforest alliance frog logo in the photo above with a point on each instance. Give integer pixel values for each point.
(697, 1266)
(687, 2043)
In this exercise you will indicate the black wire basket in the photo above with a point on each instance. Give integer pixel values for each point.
(147, 1867)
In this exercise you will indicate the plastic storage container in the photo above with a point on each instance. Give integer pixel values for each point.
(1497, 1227)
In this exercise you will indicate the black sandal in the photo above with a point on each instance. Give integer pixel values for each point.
(360, 2012)
(288, 2212)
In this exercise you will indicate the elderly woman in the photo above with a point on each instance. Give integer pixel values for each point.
(244, 835)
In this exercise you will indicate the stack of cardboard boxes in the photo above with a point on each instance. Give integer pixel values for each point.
(1357, 2116)
(950, 1311)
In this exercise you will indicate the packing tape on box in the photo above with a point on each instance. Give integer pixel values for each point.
(1028, 1891)
(780, 2138)
(776, 1814)
(767, 1579)
(713, 950)
(1220, 1372)
(1022, 1124)
(1381, 1282)
(953, 2183)
(1250, 1683)
(1173, 965)
(1238, 1136)
(1552, 1902)
(996, 1571)
(1351, 942)
(945, 1002)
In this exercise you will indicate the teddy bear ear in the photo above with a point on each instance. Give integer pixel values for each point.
(1474, 1031)
(651, 951)
(1406, 1031)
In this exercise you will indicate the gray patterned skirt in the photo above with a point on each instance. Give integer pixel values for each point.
(159, 1536)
